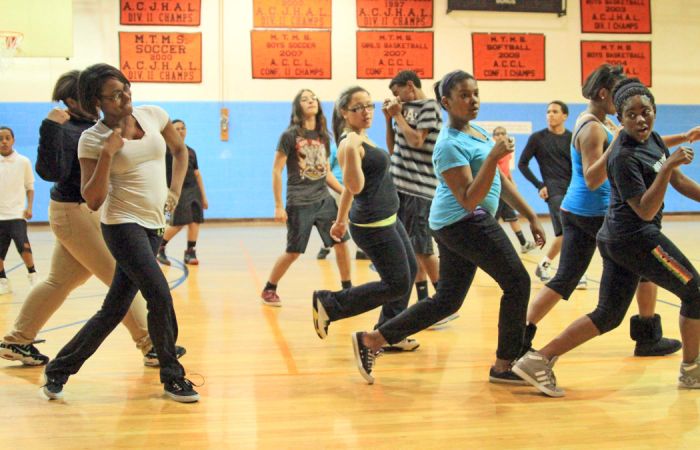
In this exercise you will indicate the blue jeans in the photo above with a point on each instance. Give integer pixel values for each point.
(476, 241)
(389, 249)
(134, 248)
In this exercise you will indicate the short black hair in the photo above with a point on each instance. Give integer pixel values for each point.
(402, 78)
(178, 121)
(12, 133)
(628, 88)
(493, 132)
(66, 87)
(604, 77)
(564, 107)
(90, 84)
(447, 83)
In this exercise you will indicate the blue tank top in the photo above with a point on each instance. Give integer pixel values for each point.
(579, 199)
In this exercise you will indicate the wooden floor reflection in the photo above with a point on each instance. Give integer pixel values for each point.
(271, 383)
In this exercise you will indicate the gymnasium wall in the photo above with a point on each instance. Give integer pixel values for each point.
(237, 172)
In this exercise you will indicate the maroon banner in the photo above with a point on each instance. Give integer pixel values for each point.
(634, 56)
(382, 54)
(508, 56)
(616, 16)
(186, 13)
(394, 13)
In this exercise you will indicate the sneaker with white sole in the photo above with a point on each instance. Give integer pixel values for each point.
(404, 345)
(364, 357)
(162, 257)
(320, 317)
(52, 389)
(542, 272)
(689, 377)
(582, 283)
(442, 322)
(537, 370)
(150, 359)
(527, 246)
(28, 354)
(270, 298)
(33, 278)
(5, 287)
(181, 390)
(506, 377)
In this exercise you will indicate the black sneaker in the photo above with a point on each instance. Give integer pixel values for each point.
(150, 359)
(320, 317)
(191, 257)
(323, 252)
(28, 354)
(361, 255)
(181, 390)
(506, 377)
(161, 257)
(364, 357)
(52, 389)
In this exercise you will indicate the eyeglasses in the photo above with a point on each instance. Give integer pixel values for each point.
(117, 96)
(363, 108)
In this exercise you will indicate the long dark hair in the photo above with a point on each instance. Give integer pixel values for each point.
(90, 84)
(341, 104)
(296, 119)
(66, 87)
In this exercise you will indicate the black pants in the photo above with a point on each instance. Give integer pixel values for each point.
(652, 256)
(134, 248)
(389, 249)
(477, 241)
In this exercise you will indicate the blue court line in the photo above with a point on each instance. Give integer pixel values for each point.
(173, 284)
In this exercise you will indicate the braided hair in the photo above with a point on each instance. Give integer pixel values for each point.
(625, 90)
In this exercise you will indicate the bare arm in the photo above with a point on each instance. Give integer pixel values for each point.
(689, 136)
(350, 155)
(200, 183)
(414, 138)
(594, 156)
(685, 185)
(510, 195)
(277, 167)
(179, 151)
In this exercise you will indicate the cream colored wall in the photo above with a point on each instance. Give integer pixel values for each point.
(675, 54)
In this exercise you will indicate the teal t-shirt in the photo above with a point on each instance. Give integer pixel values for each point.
(454, 149)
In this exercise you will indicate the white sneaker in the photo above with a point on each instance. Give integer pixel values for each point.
(5, 286)
(527, 246)
(689, 377)
(33, 278)
(582, 283)
(542, 272)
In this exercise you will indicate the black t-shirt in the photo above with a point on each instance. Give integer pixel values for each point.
(307, 165)
(378, 198)
(553, 155)
(632, 168)
(190, 179)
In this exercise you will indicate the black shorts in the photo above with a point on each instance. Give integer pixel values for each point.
(189, 208)
(505, 212)
(13, 230)
(554, 204)
(302, 218)
(414, 213)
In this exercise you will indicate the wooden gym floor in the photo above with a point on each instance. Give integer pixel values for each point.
(271, 383)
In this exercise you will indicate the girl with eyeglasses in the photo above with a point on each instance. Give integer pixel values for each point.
(368, 207)
(467, 234)
(122, 165)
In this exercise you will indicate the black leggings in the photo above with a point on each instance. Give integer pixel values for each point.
(478, 241)
(389, 249)
(652, 256)
(134, 248)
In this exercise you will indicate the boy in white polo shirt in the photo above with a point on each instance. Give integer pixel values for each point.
(16, 181)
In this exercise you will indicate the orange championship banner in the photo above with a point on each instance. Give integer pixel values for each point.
(394, 13)
(382, 54)
(508, 56)
(616, 16)
(161, 57)
(291, 54)
(292, 14)
(634, 56)
(185, 13)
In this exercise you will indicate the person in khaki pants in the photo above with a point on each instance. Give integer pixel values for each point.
(80, 250)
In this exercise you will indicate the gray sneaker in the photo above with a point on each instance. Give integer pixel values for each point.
(689, 378)
(536, 370)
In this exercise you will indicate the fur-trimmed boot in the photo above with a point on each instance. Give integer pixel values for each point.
(648, 335)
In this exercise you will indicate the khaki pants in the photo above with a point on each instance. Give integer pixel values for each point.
(79, 253)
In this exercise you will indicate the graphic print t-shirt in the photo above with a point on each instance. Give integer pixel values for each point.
(307, 166)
